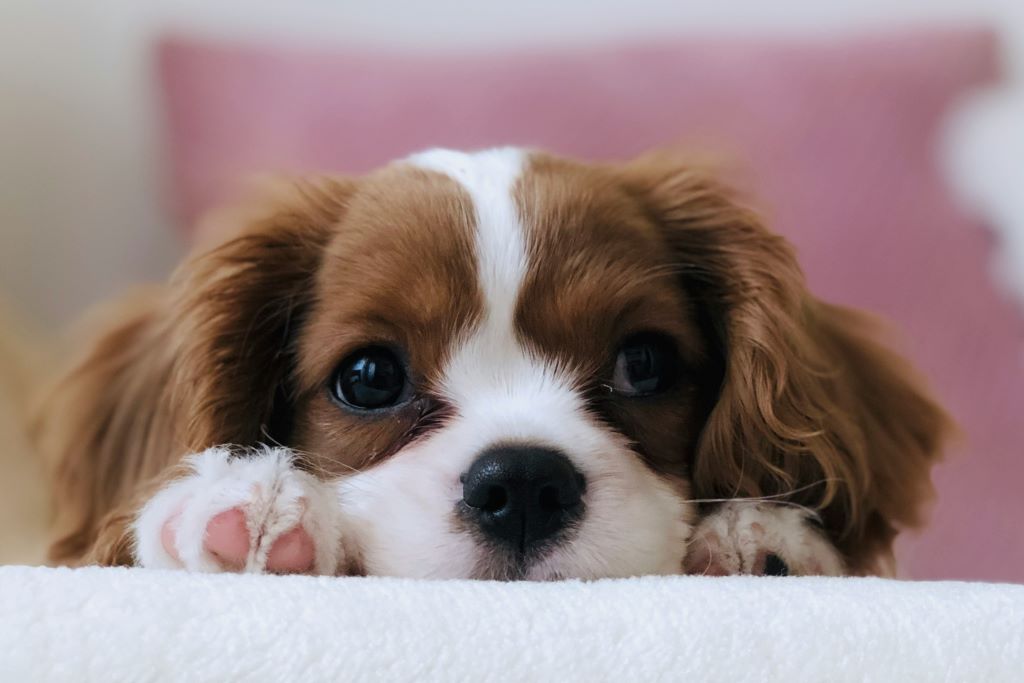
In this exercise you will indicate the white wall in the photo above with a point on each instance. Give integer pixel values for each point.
(80, 205)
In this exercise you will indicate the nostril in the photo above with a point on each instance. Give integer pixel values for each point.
(497, 499)
(521, 495)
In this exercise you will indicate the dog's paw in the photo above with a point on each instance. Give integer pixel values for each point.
(251, 512)
(743, 537)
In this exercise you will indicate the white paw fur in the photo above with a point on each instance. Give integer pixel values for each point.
(274, 495)
(737, 536)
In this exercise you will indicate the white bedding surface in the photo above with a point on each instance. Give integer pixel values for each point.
(137, 625)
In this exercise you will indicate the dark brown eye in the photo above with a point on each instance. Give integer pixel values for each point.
(369, 379)
(646, 364)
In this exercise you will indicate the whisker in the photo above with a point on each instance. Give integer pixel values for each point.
(310, 460)
(772, 498)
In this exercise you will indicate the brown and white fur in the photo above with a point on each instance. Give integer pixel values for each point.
(198, 431)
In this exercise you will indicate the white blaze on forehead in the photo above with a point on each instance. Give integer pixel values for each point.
(489, 178)
(491, 371)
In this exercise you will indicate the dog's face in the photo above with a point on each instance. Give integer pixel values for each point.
(514, 366)
(502, 362)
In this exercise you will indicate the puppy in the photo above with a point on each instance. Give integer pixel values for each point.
(498, 365)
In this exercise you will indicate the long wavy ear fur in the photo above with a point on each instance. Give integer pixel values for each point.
(176, 369)
(811, 407)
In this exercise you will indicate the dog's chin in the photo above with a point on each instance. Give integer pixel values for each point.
(499, 563)
(503, 566)
(559, 561)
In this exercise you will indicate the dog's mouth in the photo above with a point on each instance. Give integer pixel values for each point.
(499, 564)
(513, 559)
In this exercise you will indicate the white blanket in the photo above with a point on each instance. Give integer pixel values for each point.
(136, 625)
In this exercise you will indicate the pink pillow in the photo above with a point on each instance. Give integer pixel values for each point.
(840, 137)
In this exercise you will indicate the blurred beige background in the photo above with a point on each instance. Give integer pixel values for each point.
(23, 504)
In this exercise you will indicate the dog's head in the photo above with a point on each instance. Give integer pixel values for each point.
(520, 366)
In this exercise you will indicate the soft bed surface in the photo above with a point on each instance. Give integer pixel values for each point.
(136, 625)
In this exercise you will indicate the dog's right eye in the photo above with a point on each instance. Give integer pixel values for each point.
(369, 379)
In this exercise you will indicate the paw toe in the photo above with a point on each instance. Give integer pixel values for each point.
(292, 553)
(227, 538)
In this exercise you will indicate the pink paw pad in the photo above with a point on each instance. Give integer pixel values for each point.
(227, 539)
(292, 553)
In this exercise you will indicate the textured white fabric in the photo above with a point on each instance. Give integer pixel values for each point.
(146, 625)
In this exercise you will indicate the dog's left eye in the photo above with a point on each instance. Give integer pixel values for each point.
(646, 364)
(369, 379)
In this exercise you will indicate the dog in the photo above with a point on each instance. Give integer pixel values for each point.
(491, 365)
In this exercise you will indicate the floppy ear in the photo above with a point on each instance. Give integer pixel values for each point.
(237, 306)
(811, 408)
(202, 361)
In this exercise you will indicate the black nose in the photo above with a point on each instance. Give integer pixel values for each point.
(521, 495)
